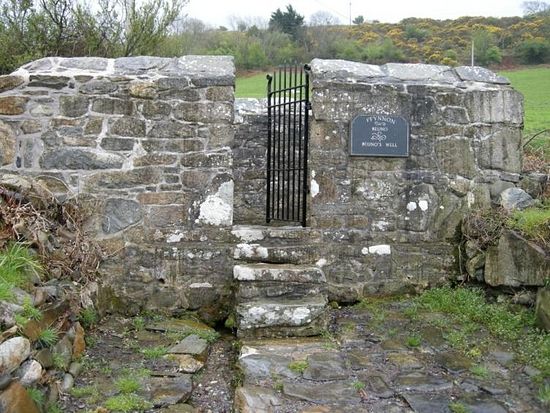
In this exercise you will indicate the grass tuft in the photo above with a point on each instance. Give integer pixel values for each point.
(298, 366)
(127, 403)
(154, 352)
(533, 223)
(48, 337)
(127, 385)
(88, 317)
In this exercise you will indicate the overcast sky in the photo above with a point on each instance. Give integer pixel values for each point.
(220, 12)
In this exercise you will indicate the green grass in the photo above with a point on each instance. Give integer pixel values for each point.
(358, 385)
(298, 366)
(84, 391)
(458, 407)
(48, 337)
(413, 341)
(480, 371)
(533, 223)
(534, 83)
(154, 352)
(127, 403)
(251, 86)
(469, 311)
(88, 317)
(127, 385)
(17, 264)
(36, 395)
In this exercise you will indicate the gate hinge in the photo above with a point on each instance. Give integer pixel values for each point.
(308, 105)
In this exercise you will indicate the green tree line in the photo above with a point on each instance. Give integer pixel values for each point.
(112, 28)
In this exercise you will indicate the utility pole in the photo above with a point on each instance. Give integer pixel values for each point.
(473, 53)
(350, 13)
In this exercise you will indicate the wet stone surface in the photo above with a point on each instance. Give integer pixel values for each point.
(385, 357)
(379, 359)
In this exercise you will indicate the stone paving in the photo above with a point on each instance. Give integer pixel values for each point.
(382, 361)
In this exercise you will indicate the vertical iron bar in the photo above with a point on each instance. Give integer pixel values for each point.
(274, 145)
(276, 210)
(306, 144)
(300, 146)
(283, 138)
(287, 160)
(294, 145)
(268, 160)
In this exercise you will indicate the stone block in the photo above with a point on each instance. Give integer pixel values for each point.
(152, 159)
(516, 262)
(455, 156)
(47, 81)
(162, 198)
(166, 216)
(65, 158)
(220, 94)
(117, 144)
(542, 309)
(31, 126)
(214, 112)
(9, 82)
(207, 159)
(495, 106)
(156, 110)
(138, 177)
(501, 150)
(8, 144)
(94, 125)
(168, 129)
(73, 106)
(99, 87)
(113, 106)
(119, 214)
(127, 126)
(13, 105)
(142, 89)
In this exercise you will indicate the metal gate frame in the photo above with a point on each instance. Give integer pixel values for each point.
(287, 144)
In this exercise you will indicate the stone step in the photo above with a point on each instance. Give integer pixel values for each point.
(272, 317)
(278, 280)
(280, 273)
(268, 236)
(293, 254)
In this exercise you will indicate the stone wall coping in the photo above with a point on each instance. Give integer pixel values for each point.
(342, 71)
(218, 69)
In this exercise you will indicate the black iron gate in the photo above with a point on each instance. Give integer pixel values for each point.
(287, 144)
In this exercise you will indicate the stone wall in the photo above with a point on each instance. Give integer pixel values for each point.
(146, 144)
(391, 221)
(158, 152)
(249, 169)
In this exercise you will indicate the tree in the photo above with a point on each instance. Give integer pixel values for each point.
(485, 50)
(531, 8)
(289, 22)
(323, 18)
(359, 20)
(533, 51)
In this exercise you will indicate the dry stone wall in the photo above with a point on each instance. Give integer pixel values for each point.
(391, 221)
(167, 163)
(146, 144)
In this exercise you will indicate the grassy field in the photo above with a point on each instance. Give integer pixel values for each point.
(534, 83)
(251, 85)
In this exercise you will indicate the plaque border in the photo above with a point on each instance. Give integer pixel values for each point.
(351, 153)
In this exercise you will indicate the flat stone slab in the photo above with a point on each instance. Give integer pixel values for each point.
(191, 344)
(264, 313)
(320, 393)
(428, 403)
(453, 361)
(253, 399)
(326, 366)
(176, 325)
(422, 382)
(164, 391)
(282, 273)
